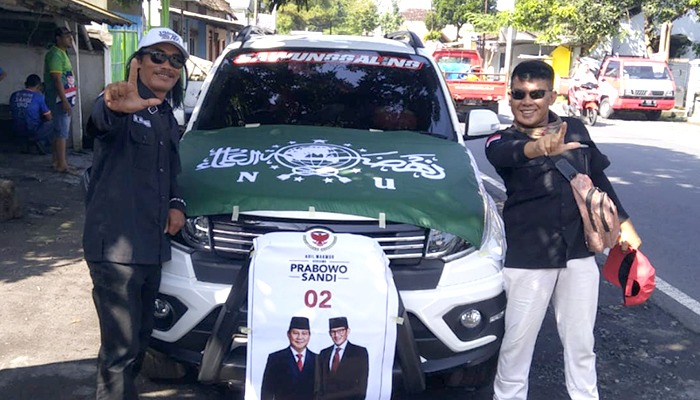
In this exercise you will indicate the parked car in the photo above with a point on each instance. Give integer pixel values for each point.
(292, 133)
(635, 84)
(469, 85)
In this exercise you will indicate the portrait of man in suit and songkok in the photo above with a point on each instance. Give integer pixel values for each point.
(289, 373)
(342, 368)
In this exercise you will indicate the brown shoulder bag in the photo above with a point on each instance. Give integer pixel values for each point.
(601, 224)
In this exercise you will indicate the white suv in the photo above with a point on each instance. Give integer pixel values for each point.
(354, 135)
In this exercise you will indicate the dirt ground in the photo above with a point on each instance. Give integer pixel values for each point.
(49, 336)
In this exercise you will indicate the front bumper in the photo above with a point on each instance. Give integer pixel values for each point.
(441, 342)
(643, 104)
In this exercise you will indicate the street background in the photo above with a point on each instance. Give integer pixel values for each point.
(49, 335)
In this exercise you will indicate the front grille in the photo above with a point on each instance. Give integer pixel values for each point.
(400, 242)
(648, 93)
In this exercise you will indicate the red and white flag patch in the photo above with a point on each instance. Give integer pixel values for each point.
(493, 139)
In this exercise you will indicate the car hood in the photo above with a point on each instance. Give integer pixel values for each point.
(398, 176)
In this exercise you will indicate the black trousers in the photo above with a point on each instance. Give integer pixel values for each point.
(124, 295)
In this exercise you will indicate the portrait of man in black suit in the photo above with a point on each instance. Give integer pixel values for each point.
(343, 368)
(289, 373)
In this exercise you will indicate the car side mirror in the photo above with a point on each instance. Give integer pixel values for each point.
(481, 123)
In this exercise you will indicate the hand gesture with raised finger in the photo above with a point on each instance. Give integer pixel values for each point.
(553, 144)
(124, 97)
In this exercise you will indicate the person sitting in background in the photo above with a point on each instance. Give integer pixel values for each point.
(31, 115)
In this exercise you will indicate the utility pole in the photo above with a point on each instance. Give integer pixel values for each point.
(165, 13)
(255, 12)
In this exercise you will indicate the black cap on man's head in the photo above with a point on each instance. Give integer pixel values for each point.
(299, 323)
(337, 322)
(62, 30)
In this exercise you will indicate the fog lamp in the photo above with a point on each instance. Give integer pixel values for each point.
(470, 318)
(161, 309)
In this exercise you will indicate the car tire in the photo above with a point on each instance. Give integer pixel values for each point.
(653, 115)
(158, 366)
(589, 116)
(606, 110)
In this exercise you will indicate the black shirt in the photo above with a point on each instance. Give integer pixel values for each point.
(132, 184)
(542, 221)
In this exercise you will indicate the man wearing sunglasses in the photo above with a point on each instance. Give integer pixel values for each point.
(547, 259)
(133, 204)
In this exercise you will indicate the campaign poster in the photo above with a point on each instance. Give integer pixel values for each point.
(322, 316)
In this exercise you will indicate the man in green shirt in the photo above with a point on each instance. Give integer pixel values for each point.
(61, 94)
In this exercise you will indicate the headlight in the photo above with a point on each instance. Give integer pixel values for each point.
(628, 92)
(443, 244)
(196, 232)
(494, 238)
(669, 93)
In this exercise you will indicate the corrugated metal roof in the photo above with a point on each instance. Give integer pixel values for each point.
(217, 5)
(73, 10)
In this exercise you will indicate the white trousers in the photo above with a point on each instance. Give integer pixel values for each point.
(573, 292)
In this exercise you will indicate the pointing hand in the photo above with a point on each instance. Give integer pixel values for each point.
(553, 144)
(124, 97)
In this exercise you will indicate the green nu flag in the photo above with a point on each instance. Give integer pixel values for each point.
(409, 177)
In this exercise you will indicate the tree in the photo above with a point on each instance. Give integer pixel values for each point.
(458, 13)
(391, 21)
(587, 22)
(583, 22)
(660, 11)
(352, 17)
(317, 16)
(363, 17)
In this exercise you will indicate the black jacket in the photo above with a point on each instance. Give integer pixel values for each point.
(282, 379)
(349, 382)
(132, 184)
(542, 222)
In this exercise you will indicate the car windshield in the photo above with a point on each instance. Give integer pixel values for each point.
(659, 72)
(345, 89)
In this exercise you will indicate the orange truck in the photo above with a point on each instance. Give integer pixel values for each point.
(469, 86)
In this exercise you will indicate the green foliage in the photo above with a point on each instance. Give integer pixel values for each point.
(391, 21)
(316, 16)
(583, 22)
(433, 35)
(460, 12)
(587, 22)
(661, 11)
(363, 17)
(696, 48)
(352, 17)
(579, 22)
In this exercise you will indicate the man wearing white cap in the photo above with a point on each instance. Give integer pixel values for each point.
(133, 204)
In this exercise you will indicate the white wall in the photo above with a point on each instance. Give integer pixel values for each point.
(689, 26)
(632, 42)
(19, 61)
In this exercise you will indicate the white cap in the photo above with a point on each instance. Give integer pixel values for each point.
(162, 35)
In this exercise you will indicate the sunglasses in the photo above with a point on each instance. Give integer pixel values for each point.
(534, 94)
(159, 57)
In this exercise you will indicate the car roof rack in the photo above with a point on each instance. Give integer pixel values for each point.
(251, 30)
(407, 37)
(612, 55)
